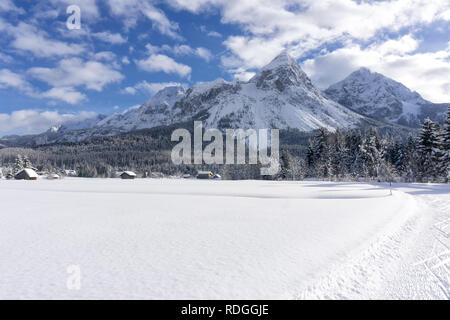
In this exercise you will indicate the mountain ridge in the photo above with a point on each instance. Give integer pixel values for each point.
(280, 96)
(377, 96)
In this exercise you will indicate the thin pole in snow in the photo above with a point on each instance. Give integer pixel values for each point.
(390, 186)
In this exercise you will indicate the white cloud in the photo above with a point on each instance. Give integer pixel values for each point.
(131, 10)
(10, 79)
(125, 60)
(181, 50)
(105, 55)
(204, 53)
(113, 38)
(74, 72)
(160, 62)
(426, 73)
(151, 49)
(36, 121)
(405, 44)
(29, 38)
(8, 5)
(244, 75)
(149, 87)
(66, 94)
(130, 90)
(210, 33)
(6, 58)
(69, 74)
(214, 34)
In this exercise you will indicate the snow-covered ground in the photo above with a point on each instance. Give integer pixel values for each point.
(183, 239)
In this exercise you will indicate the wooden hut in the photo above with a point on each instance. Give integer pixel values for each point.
(129, 175)
(205, 175)
(26, 174)
(53, 176)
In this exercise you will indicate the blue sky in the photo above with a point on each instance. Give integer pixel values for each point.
(126, 50)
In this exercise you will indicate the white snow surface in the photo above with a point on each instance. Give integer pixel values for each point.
(192, 239)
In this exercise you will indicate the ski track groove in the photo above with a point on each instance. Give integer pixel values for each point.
(363, 275)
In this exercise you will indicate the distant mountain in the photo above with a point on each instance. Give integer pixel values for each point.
(59, 133)
(279, 96)
(156, 111)
(382, 98)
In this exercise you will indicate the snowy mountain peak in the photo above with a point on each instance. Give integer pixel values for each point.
(367, 79)
(54, 129)
(383, 98)
(167, 96)
(284, 59)
(281, 73)
(363, 70)
(280, 96)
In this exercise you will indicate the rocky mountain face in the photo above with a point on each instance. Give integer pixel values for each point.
(382, 98)
(279, 96)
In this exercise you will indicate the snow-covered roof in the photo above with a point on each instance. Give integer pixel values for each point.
(130, 173)
(30, 172)
(204, 172)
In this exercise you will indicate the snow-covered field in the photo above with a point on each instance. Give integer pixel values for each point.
(183, 239)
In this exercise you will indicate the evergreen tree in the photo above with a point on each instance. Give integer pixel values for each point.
(310, 157)
(18, 165)
(427, 143)
(320, 152)
(355, 161)
(285, 166)
(445, 145)
(372, 154)
(439, 155)
(27, 162)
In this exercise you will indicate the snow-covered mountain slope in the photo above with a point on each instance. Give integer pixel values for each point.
(382, 98)
(69, 131)
(156, 111)
(279, 96)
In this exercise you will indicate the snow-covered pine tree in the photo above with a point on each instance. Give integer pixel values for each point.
(310, 158)
(386, 170)
(355, 161)
(320, 151)
(298, 168)
(446, 147)
(439, 154)
(447, 130)
(337, 155)
(396, 155)
(18, 164)
(27, 162)
(372, 154)
(412, 160)
(428, 141)
(285, 166)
